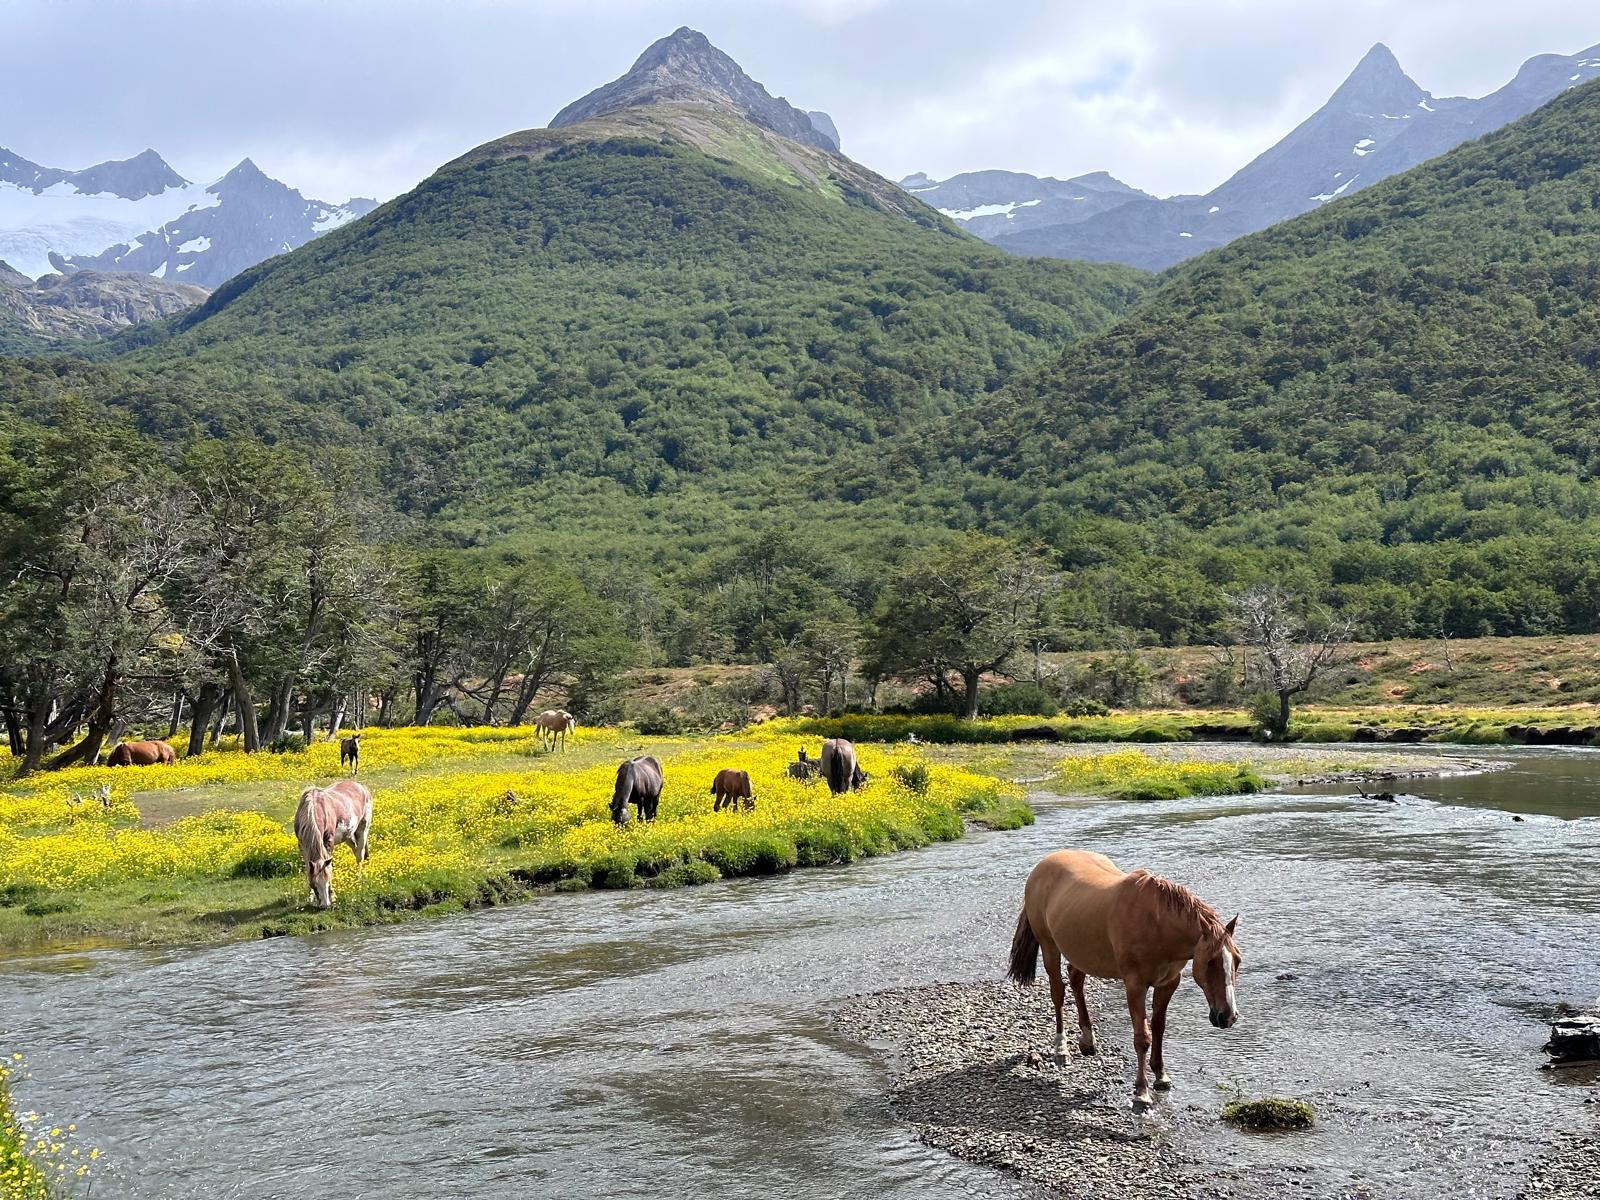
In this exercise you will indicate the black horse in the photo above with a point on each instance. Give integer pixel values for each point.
(638, 783)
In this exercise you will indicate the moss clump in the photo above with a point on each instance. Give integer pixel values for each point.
(1272, 1112)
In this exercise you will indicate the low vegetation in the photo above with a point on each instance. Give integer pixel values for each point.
(1273, 1112)
(463, 818)
(38, 1160)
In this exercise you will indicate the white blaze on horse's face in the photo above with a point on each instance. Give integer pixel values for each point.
(320, 874)
(1216, 970)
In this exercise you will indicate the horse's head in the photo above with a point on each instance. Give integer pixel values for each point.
(319, 872)
(1216, 970)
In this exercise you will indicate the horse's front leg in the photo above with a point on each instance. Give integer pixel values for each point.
(1158, 1032)
(360, 842)
(1142, 1096)
(1085, 1024)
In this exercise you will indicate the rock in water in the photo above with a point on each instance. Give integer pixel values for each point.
(1574, 1040)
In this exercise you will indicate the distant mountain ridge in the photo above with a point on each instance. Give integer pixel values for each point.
(685, 66)
(1377, 123)
(140, 215)
(86, 304)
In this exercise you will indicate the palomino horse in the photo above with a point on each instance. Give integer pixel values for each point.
(340, 812)
(350, 753)
(554, 723)
(730, 787)
(839, 766)
(140, 754)
(1136, 927)
(639, 784)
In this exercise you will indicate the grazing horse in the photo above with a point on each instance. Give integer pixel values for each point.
(804, 769)
(554, 723)
(730, 787)
(839, 766)
(638, 783)
(340, 812)
(350, 753)
(140, 754)
(1132, 926)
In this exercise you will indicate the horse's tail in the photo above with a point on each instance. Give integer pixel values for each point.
(838, 773)
(1024, 951)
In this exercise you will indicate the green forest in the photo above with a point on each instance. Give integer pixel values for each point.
(598, 399)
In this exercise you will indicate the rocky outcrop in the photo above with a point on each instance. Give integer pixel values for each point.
(1574, 1040)
(684, 67)
(87, 304)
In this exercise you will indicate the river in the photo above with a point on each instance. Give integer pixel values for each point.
(1401, 961)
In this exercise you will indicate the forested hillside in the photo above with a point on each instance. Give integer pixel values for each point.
(1392, 400)
(590, 306)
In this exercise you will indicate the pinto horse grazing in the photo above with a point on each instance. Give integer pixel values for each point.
(1132, 926)
(350, 753)
(554, 723)
(340, 812)
(839, 766)
(730, 787)
(639, 784)
(140, 754)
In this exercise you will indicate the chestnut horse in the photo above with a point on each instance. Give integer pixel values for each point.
(730, 787)
(639, 783)
(340, 812)
(554, 723)
(1132, 926)
(140, 754)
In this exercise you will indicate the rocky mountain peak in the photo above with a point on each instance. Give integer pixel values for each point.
(684, 67)
(1377, 85)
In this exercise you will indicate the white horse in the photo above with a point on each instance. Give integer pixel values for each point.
(340, 812)
(554, 723)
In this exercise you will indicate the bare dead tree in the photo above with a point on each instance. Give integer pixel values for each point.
(1291, 652)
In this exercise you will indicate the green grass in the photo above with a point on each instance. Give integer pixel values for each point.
(1272, 1112)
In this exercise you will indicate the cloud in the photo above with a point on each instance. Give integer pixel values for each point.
(367, 97)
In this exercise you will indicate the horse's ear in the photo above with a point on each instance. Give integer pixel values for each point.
(1228, 928)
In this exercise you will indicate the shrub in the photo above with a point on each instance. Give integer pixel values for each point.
(1018, 699)
(913, 776)
(289, 743)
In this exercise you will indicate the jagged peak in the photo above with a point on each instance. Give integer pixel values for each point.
(1377, 81)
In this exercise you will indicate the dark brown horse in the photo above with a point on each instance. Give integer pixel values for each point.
(803, 768)
(1131, 926)
(140, 754)
(350, 753)
(732, 787)
(639, 783)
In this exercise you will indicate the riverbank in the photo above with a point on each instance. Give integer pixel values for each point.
(1571, 1172)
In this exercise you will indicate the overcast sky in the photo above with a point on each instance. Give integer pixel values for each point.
(367, 97)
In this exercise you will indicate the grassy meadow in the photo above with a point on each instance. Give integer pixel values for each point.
(202, 850)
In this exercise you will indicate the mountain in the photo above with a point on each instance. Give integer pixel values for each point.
(247, 218)
(1378, 123)
(60, 309)
(995, 204)
(568, 325)
(1392, 402)
(44, 209)
(138, 214)
(684, 67)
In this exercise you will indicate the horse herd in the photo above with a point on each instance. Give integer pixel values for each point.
(1080, 912)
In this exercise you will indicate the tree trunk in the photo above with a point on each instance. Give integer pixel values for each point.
(1281, 731)
(14, 742)
(177, 715)
(222, 718)
(246, 706)
(279, 709)
(385, 698)
(336, 718)
(205, 702)
(308, 721)
(38, 719)
(100, 721)
(969, 680)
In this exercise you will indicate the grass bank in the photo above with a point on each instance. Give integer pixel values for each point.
(463, 818)
(38, 1160)
(1577, 725)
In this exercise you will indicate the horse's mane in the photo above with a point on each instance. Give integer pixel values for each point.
(1179, 901)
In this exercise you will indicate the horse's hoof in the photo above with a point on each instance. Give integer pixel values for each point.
(1088, 1051)
(1164, 1084)
(1143, 1101)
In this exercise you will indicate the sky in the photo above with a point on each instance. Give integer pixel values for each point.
(368, 97)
